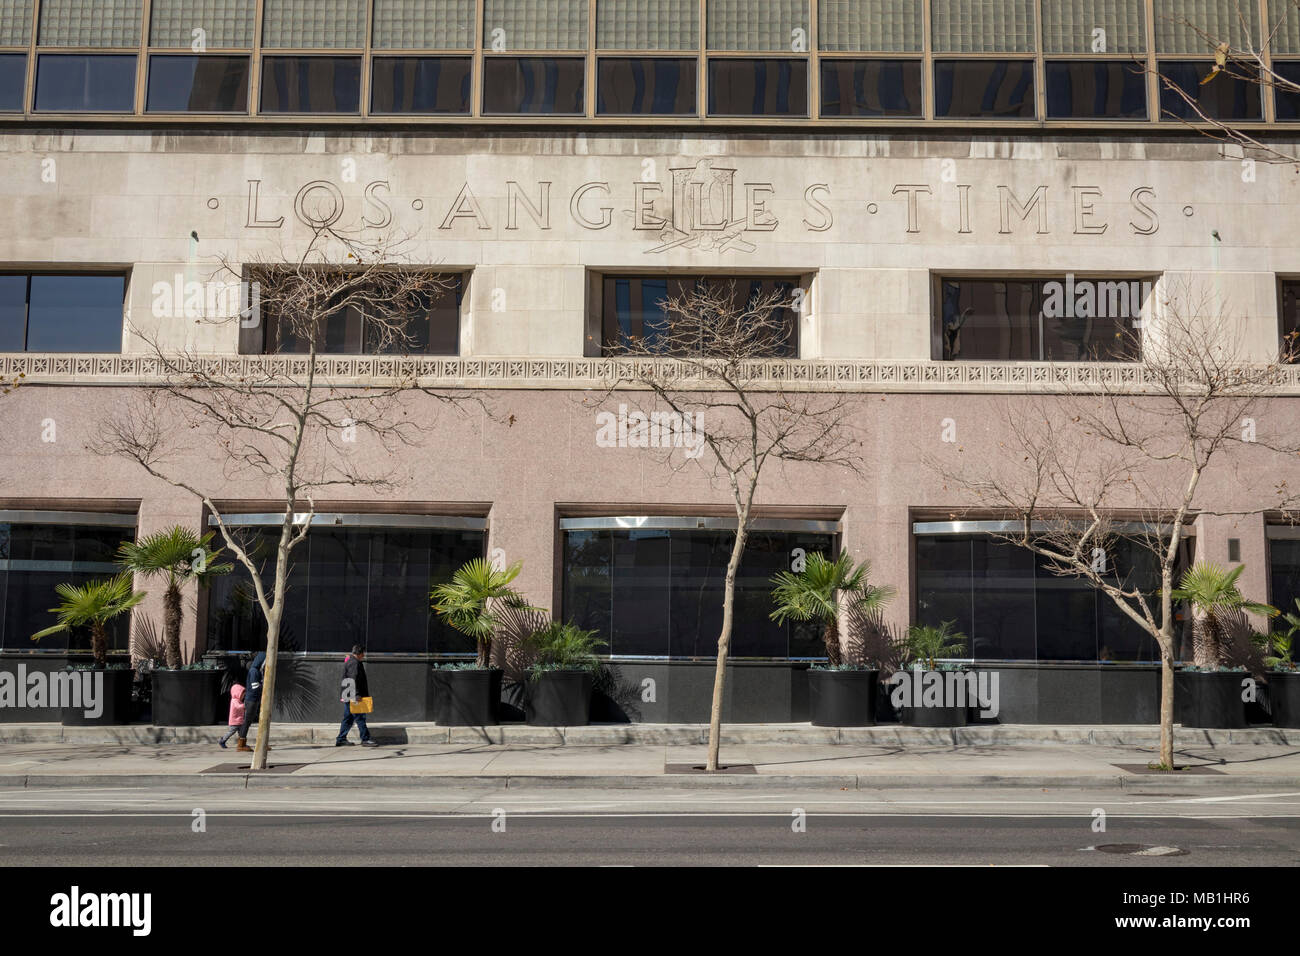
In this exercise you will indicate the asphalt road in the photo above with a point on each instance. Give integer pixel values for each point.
(124, 827)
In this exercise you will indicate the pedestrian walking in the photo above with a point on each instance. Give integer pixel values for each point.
(252, 700)
(356, 699)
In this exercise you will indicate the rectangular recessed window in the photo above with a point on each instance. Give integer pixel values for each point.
(85, 83)
(1289, 315)
(534, 84)
(648, 25)
(61, 313)
(1288, 100)
(349, 585)
(1096, 89)
(1224, 97)
(314, 24)
(197, 84)
(744, 86)
(217, 24)
(1068, 319)
(421, 84)
(427, 322)
(646, 86)
(516, 25)
(636, 310)
(311, 84)
(871, 87)
(13, 81)
(1012, 607)
(657, 593)
(987, 89)
(35, 558)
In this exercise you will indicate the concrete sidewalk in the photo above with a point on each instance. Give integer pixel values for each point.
(790, 757)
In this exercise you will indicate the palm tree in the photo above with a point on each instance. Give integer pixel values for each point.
(180, 555)
(469, 602)
(929, 643)
(814, 594)
(95, 603)
(1278, 645)
(1212, 592)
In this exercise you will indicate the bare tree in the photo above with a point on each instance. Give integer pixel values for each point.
(1084, 472)
(1240, 56)
(282, 422)
(705, 364)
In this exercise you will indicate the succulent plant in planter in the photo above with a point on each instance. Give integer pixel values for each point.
(840, 693)
(560, 679)
(928, 646)
(1210, 694)
(1283, 675)
(472, 602)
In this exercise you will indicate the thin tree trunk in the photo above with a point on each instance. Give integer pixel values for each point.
(273, 643)
(724, 642)
(1167, 705)
(172, 625)
(831, 637)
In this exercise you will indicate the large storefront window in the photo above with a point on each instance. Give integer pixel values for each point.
(1012, 607)
(1284, 568)
(351, 584)
(1066, 319)
(39, 550)
(656, 590)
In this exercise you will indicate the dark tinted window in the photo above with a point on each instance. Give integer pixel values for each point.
(65, 313)
(1288, 101)
(13, 313)
(198, 84)
(1284, 574)
(311, 84)
(1103, 89)
(633, 307)
(85, 83)
(533, 84)
(1224, 97)
(13, 81)
(421, 84)
(1011, 606)
(1029, 320)
(758, 87)
(432, 328)
(871, 87)
(984, 88)
(1289, 314)
(659, 592)
(639, 86)
(34, 559)
(367, 586)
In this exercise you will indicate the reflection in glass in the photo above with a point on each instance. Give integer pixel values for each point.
(745, 86)
(1222, 98)
(871, 87)
(311, 84)
(75, 313)
(994, 89)
(85, 83)
(1101, 89)
(198, 84)
(534, 84)
(13, 82)
(645, 86)
(421, 84)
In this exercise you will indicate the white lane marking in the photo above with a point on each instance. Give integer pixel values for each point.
(1245, 796)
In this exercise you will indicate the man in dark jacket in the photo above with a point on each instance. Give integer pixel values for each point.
(355, 687)
(252, 699)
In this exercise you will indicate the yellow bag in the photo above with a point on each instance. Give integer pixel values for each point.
(365, 705)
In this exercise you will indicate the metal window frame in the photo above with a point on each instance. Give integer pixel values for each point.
(353, 520)
(99, 519)
(688, 523)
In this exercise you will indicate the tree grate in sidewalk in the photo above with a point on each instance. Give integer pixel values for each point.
(1200, 769)
(698, 768)
(247, 768)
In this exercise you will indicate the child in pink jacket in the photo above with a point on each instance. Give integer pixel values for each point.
(236, 713)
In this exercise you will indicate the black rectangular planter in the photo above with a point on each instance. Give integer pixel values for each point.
(468, 698)
(185, 698)
(1209, 699)
(559, 699)
(116, 701)
(1284, 696)
(842, 698)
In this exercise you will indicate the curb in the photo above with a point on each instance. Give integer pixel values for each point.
(669, 735)
(1129, 783)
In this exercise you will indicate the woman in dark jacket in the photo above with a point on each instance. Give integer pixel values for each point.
(354, 686)
(252, 699)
